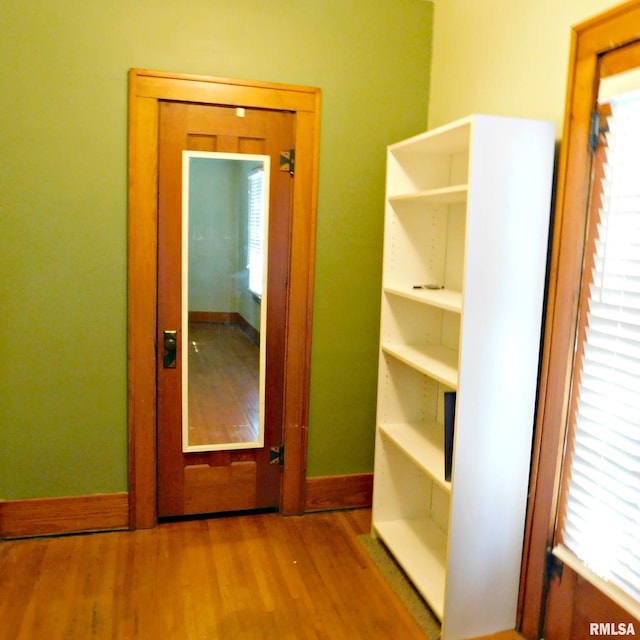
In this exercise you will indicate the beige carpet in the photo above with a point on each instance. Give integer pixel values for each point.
(402, 586)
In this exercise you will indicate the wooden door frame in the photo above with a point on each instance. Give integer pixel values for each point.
(146, 90)
(589, 41)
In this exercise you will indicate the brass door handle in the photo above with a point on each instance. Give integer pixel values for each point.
(170, 344)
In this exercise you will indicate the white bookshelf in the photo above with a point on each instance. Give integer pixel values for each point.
(421, 550)
(422, 443)
(441, 298)
(466, 230)
(435, 361)
(450, 195)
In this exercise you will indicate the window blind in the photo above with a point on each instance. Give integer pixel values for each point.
(601, 523)
(256, 230)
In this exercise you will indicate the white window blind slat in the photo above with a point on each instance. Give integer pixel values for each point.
(613, 472)
(605, 519)
(598, 453)
(616, 326)
(593, 405)
(615, 434)
(625, 300)
(256, 230)
(619, 529)
(619, 363)
(622, 385)
(601, 523)
(614, 312)
(618, 278)
(614, 336)
(611, 537)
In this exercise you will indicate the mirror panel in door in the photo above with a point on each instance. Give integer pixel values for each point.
(224, 270)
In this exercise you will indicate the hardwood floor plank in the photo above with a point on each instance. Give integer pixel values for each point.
(503, 635)
(246, 577)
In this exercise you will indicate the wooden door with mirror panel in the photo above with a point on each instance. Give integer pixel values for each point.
(215, 336)
(148, 89)
(561, 598)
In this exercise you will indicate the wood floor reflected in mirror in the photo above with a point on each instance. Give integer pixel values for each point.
(223, 384)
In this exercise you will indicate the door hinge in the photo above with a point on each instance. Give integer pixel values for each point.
(276, 455)
(288, 160)
(596, 131)
(552, 566)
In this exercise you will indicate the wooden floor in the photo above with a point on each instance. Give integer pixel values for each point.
(223, 384)
(249, 577)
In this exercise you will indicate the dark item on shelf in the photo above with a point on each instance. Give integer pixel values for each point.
(449, 421)
(433, 287)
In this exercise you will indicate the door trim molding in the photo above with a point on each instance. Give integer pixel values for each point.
(146, 90)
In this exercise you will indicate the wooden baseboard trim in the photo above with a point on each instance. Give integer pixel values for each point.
(250, 331)
(339, 492)
(69, 514)
(215, 317)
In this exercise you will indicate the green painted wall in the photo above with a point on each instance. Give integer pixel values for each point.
(63, 171)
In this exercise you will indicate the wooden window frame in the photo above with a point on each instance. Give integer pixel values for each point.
(146, 90)
(589, 42)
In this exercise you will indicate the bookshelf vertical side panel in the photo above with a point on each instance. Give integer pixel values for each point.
(507, 235)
